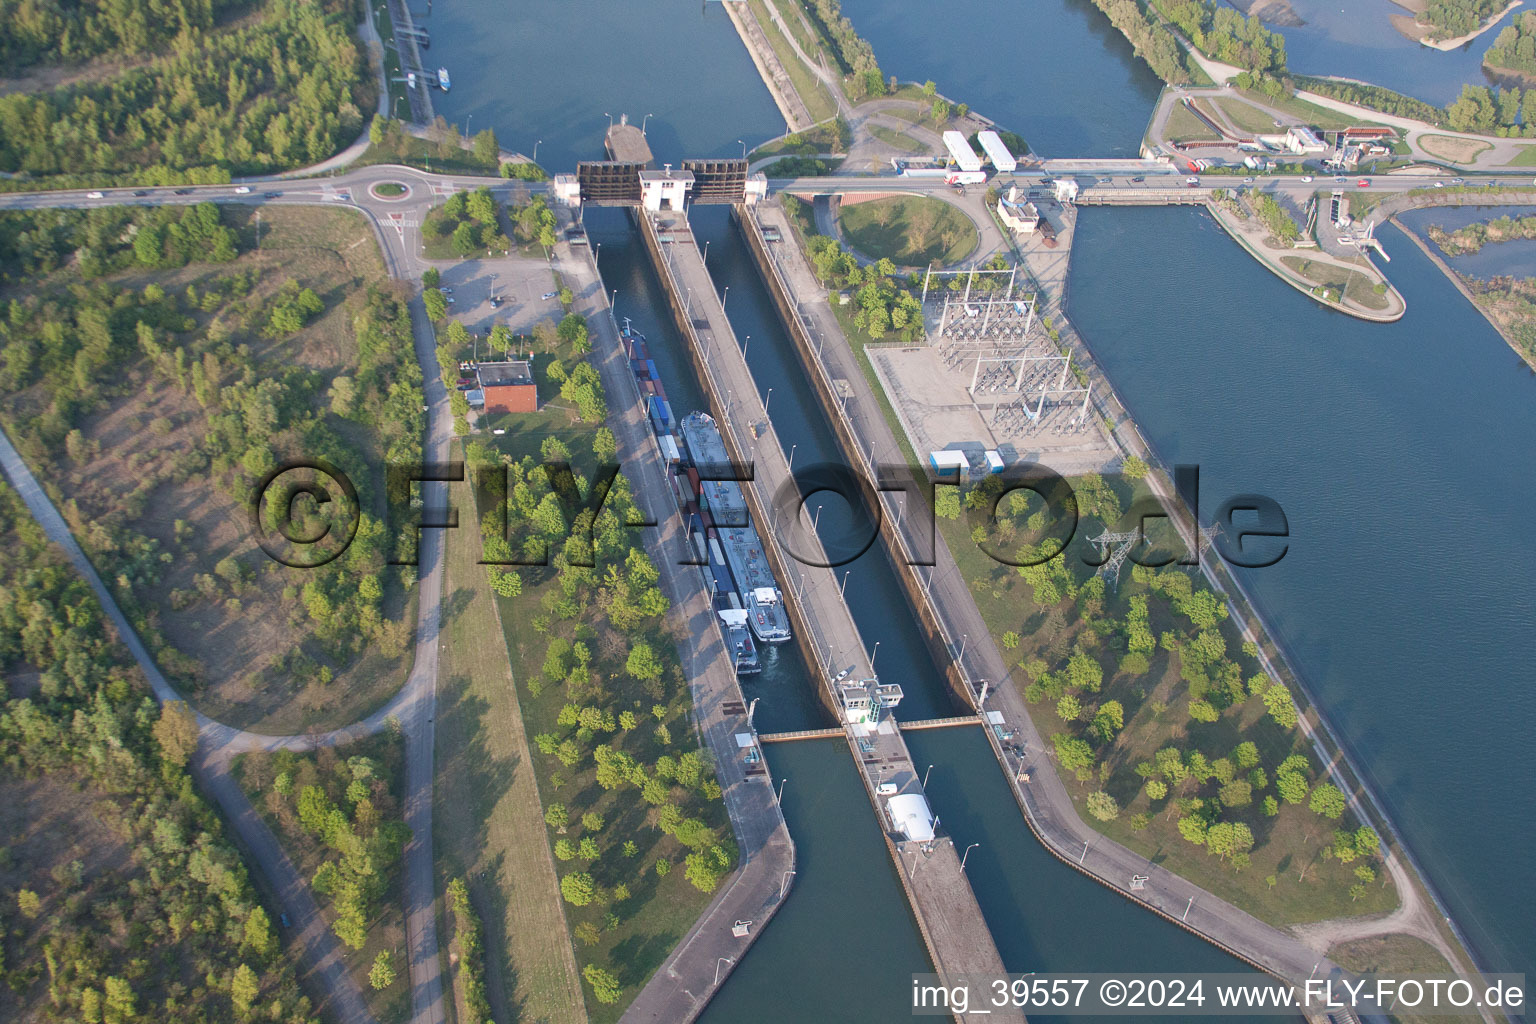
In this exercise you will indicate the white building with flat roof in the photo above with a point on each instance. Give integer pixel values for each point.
(960, 151)
(1301, 139)
(910, 816)
(998, 153)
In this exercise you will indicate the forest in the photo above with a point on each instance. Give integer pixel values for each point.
(217, 374)
(1224, 34)
(273, 92)
(167, 928)
(1514, 49)
(1170, 732)
(50, 32)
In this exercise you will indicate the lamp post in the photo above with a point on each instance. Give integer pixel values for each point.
(467, 118)
(722, 960)
(967, 853)
(780, 797)
(723, 296)
(644, 119)
(766, 399)
(843, 588)
(925, 776)
(743, 149)
(816, 520)
(963, 639)
(744, 345)
(792, 458)
(610, 120)
(872, 655)
(536, 150)
(705, 260)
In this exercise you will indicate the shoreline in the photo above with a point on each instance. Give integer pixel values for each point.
(1421, 33)
(797, 117)
(1305, 287)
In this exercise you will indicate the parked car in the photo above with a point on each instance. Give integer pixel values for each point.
(549, 295)
(1306, 178)
(241, 190)
(94, 195)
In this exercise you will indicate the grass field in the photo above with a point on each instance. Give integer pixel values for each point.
(1352, 284)
(1184, 126)
(1452, 149)
(487, 816)
(897, 140)
(1526, 157)
(913, 231)
(1245, 117)
(1308, 113)
(386, 929)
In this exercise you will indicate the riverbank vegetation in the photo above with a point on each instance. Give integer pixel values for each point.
(1458, 17)
(1150, 38)
(1474, 236)
(911, 231)
(1226, 35)
(1514, 49)
(337, 812)
(1168, 730)
(854, 57)
(126, 901)
(282, 87)
(1510, 303)
(635, 817)
(156, 365)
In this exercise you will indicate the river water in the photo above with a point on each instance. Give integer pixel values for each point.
(1397, 452)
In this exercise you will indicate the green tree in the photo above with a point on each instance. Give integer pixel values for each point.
(1327, 800)
(487, 149)
(176, 732)
(28, 903)
(604, 985)
(1292, 786)
(1102, 806)
(1229, 839)
(643, 662)
(244, 987)
(578, 889)
(556, 816)
(382, 974)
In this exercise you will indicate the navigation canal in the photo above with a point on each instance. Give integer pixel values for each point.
(1396, 450)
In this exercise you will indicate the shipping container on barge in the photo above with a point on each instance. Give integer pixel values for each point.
(729, 614)
(724, 508)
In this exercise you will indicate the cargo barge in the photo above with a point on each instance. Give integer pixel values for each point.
(724, 509)
(730, 615)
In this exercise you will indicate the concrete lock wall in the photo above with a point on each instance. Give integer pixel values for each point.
(891, 544)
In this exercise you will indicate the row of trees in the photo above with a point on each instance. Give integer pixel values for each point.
(1504, 111)
(273, 93)
(854, 55)
(1149, 37)
(1281, 225)
(202, 947)
(469, 937)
